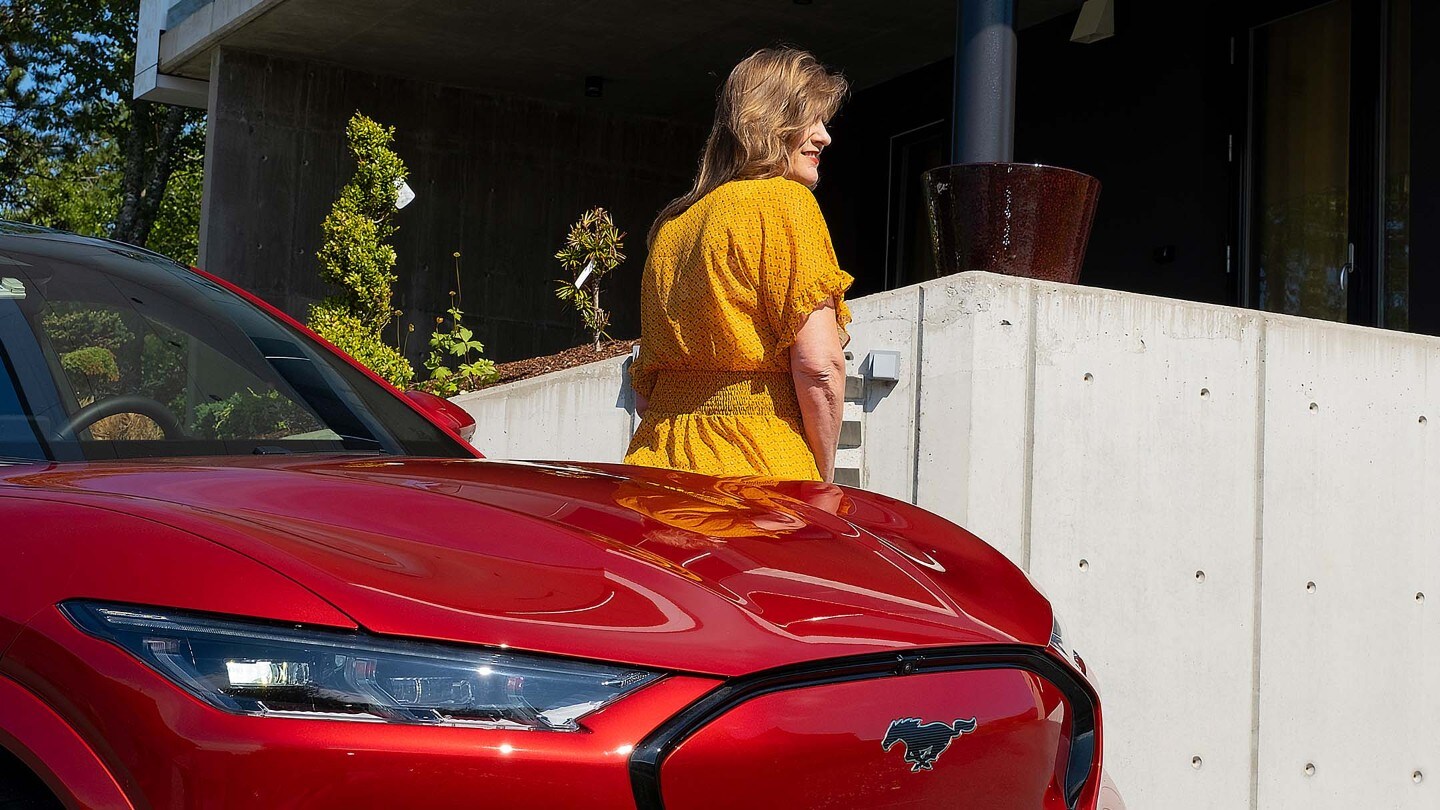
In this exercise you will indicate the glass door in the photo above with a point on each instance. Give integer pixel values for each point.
(1324, 190)
(909, 256)
(1300, 131)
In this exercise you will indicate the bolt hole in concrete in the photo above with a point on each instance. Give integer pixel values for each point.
(1423, 420)
(1196, 762)
(1199, 576)
(1084, 565)
(1204, 393)
(1310, 587)
(1089, 377)
(1309, 769)
(1417, 777)
(1314, 407)
(1420, 597)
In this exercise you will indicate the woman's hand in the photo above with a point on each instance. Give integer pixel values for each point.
(817, 364)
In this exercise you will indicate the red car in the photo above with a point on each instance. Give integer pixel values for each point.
(240, 571)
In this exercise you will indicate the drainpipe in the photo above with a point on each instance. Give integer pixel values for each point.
(984, 114)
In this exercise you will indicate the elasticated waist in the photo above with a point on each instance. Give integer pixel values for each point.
(724, 393)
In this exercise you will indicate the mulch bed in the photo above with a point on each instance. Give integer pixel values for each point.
(570, 358)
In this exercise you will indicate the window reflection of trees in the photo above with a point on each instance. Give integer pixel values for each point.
(105, 352)
(1302, 248)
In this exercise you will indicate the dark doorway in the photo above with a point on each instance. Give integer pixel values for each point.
(909, 256)
(1324, 188)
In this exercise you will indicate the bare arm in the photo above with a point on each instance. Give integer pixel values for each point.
(817, 364)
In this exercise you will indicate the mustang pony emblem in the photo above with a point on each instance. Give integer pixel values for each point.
(924, 742)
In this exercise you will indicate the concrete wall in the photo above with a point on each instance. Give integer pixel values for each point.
(1234, 512)
(499, 180)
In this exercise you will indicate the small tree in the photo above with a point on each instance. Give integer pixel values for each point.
(591, 251)
(355, 255)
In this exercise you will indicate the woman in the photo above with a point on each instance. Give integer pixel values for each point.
(741, 368)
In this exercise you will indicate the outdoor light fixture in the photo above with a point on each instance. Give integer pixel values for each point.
(1097, 22)
(594, 86)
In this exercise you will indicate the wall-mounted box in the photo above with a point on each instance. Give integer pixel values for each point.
(883, 365)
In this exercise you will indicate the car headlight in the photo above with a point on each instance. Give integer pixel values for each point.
(260, 669)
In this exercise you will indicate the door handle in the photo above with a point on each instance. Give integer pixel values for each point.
(1348, 267)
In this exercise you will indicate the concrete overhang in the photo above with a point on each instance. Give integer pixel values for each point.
(655, 58)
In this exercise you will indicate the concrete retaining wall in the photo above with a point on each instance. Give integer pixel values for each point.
(1235, 512)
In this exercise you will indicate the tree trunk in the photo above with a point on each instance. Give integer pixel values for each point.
(133, 178)
(147, 170)
(598, 313)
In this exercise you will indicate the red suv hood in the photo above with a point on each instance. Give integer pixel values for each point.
(647, 567)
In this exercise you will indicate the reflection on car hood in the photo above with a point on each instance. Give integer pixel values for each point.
(649, 567)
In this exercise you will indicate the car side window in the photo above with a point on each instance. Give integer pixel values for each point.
(103, 352)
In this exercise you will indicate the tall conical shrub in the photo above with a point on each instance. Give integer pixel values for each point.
(356, 256)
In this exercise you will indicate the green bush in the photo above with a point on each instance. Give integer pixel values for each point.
(356, 257)
(94, 365)
(357, 339)
(72, 326)
(455, 345)
(248, 415)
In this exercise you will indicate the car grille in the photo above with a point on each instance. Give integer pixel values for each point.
(987, 726)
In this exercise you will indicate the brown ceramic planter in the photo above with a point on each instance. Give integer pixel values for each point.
(1019, 219)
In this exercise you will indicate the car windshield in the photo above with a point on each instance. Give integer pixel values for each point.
(114, 353)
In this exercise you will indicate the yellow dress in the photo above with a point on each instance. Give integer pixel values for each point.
(727, 285)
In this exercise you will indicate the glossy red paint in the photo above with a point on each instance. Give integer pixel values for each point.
(68, 550)
(797, 748)
(657, 569)
(53, 750)
(443, 410)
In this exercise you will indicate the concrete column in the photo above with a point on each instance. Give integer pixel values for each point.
(984, 115)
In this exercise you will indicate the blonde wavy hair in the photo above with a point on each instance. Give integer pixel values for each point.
(770, 99)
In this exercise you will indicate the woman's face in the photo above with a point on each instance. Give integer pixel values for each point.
(805, 157)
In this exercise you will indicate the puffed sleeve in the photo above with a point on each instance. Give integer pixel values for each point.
(798, 268)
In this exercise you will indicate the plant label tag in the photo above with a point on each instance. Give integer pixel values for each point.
(404, 195)
(584, 274)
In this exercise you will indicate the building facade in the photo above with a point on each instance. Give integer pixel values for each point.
(1273, 154)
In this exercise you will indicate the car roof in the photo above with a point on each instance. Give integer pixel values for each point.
(14, 235)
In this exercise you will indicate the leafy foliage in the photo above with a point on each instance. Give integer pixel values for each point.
(455, 345)
(72, 327)
(163, 375)
(94, 363)
(177, 225)
(81, 194)
(76, 150)
(594, 244)
(361, 341)
(248, 415)
(356, 257)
